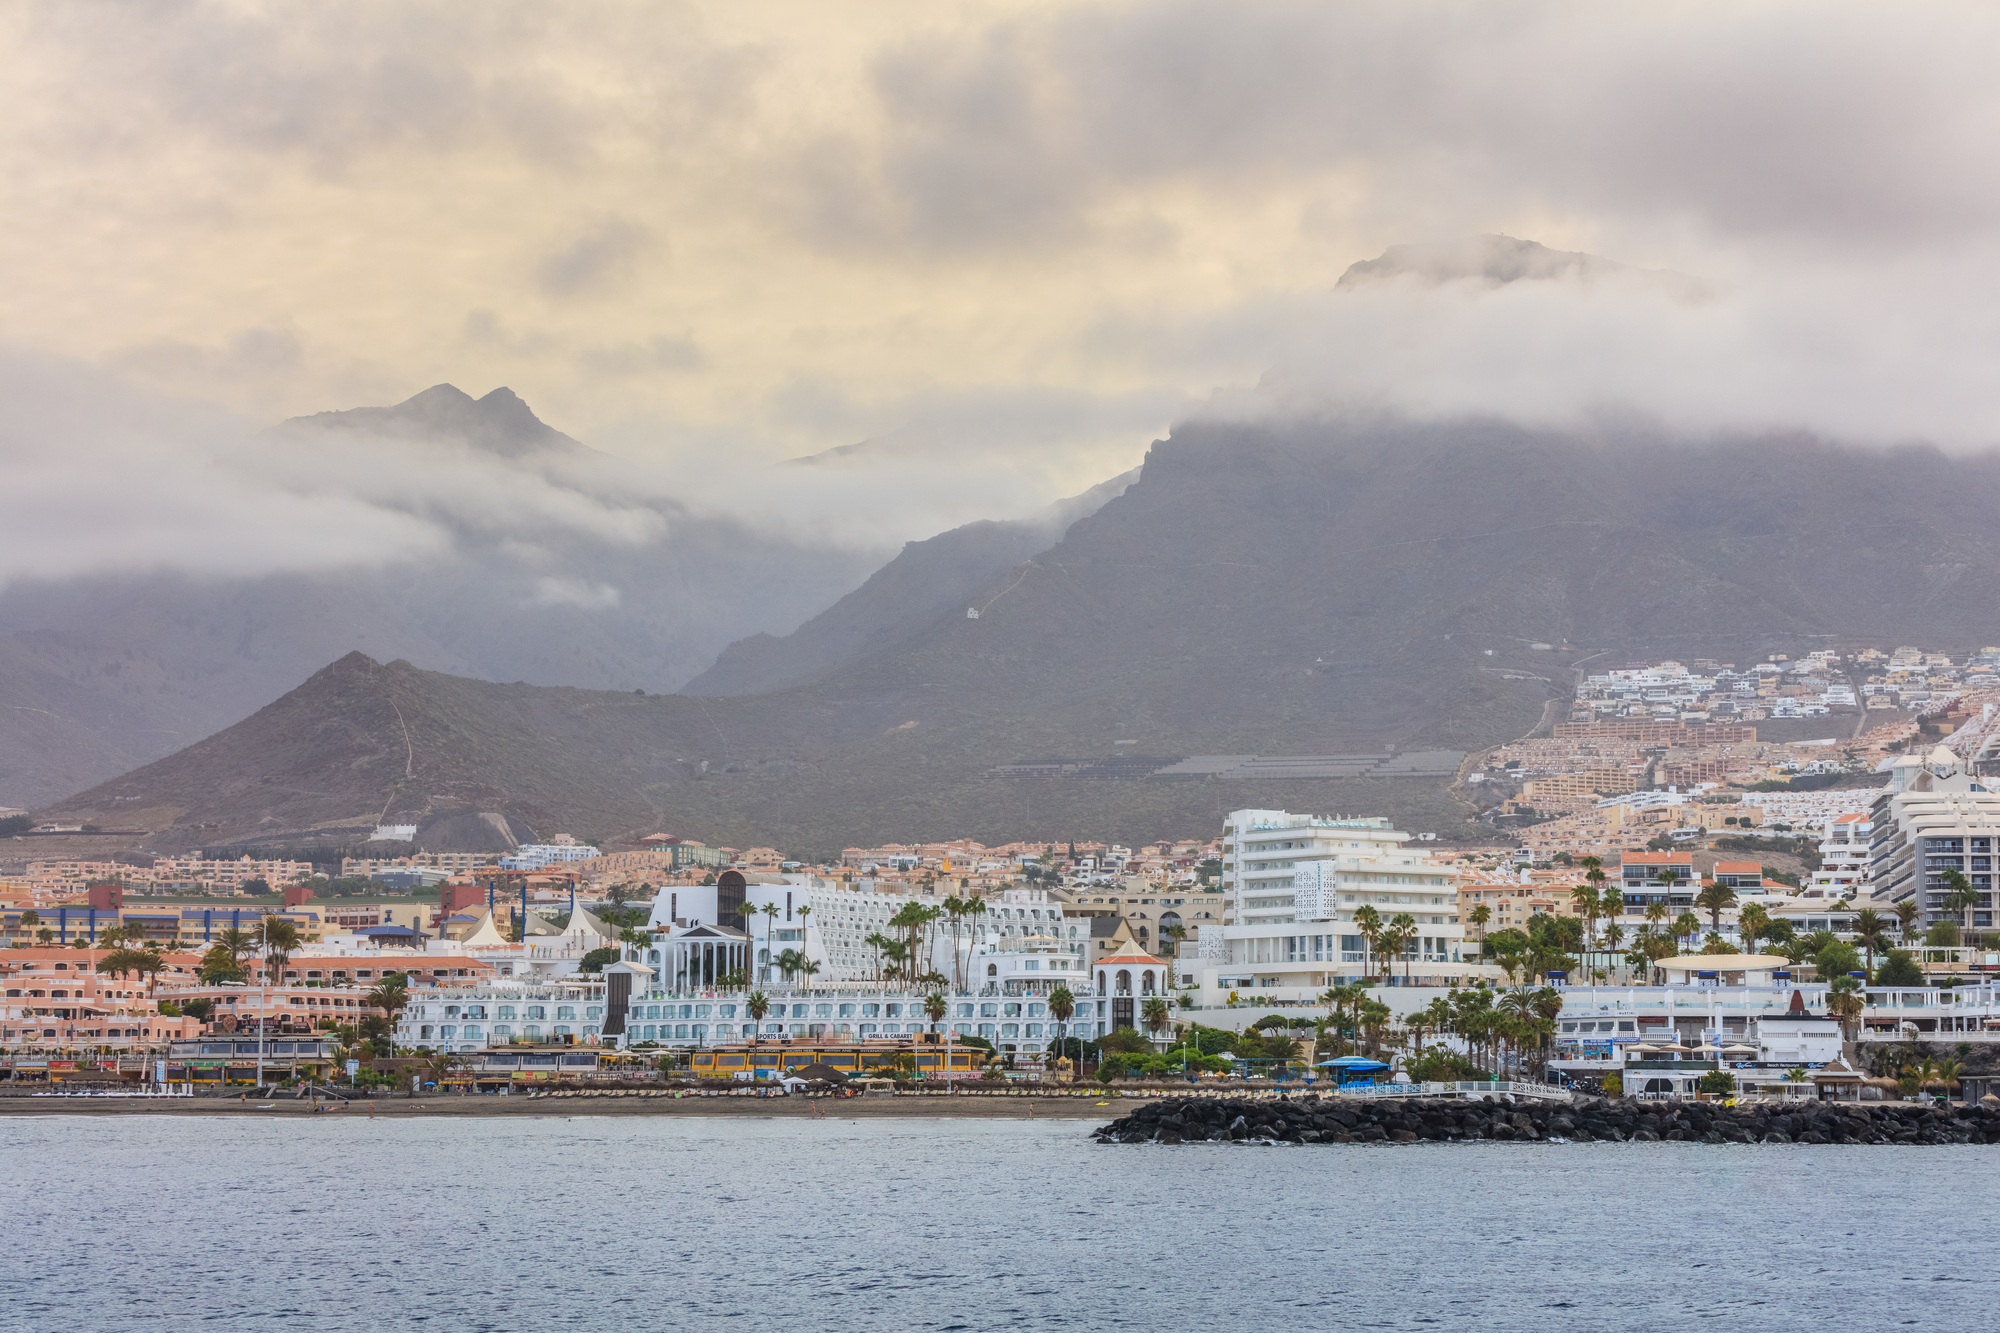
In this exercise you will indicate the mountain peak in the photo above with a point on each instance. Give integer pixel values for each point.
(1492, 258)
(500, 423)
(1497, 260)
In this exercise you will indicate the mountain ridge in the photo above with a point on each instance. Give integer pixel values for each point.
(1279, 589)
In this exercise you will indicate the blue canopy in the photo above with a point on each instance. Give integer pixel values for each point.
(379, 931)
(1355, 1063)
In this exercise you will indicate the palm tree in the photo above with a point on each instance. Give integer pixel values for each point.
(123, 959)
(391, 996)
(1584, 898)
(1960, 897)
(1845, 1001)
(1155, 1015)
(1686, 927)
(1715, 898)
(1341, 1001)
(756, 1006)
(1614, 935)
(935, 1008)
(954, 911)
(1369, 922)
(807, 968)
(1871, 932)
(788, 963)
(1478, 917)
(1751, 923)
(1062, 1007)
(880, 943)
(1668, 878)
(1397, 939)
(278, 939)
(1907, 912)
(1656, 913)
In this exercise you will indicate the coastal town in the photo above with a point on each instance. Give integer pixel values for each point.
(1682, 909)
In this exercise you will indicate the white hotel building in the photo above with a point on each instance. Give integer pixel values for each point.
(1295, 883)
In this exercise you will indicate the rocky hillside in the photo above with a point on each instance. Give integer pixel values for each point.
(1313, 589)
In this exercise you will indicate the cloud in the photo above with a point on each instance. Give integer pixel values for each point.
(575, 592)
(102, 477)
(1886, 358)
(606, 255)
(665, 352)
(1848, 123)
(989, 252)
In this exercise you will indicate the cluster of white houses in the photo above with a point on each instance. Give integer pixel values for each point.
(1297, 888)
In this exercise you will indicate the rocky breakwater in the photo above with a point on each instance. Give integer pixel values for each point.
(1342, 1120)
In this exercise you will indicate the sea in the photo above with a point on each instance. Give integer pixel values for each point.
(679, 1222)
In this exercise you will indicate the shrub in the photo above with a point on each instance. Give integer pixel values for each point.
(1436, 1064)
(1716, 1082)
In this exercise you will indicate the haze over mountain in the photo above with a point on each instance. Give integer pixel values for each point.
(928, 581)
(1335, 586)
(537, 560)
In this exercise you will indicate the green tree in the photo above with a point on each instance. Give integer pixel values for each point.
(1907, 912)
(1156, 1016)
(1509, 948)
(1943, 935)
(1837, 959)
(599, 959)
(935, 1008)
(1716, 1083)
(758, 1005)
(1899, 968)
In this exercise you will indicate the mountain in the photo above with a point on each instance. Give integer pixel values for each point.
(1495, 261)
(102, 674)
(499, 424)
(929, 581)
(1314, 588)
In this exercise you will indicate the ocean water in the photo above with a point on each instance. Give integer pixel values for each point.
(170, 1222)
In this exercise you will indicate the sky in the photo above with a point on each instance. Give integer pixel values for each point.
(1006, 245)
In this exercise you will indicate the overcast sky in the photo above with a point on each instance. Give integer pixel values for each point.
(1012, 242)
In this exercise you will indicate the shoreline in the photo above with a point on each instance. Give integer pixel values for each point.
(600, 1104)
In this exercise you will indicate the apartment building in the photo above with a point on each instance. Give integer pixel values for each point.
(1646, 878)
(1934, 817)
(1158, 917)
(1843, 859)
(57, 999)
(1297, 883)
